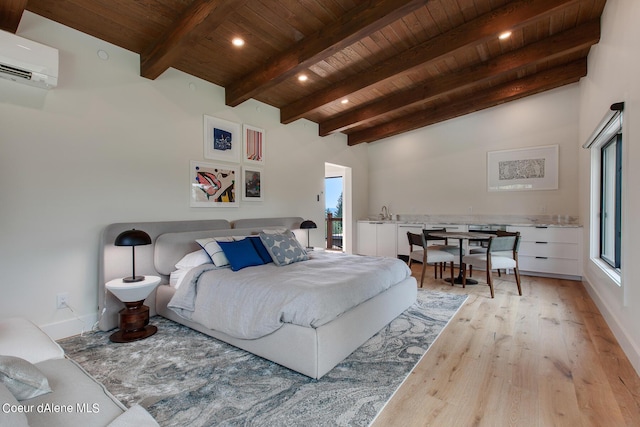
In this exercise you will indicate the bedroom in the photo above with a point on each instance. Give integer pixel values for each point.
(84, 143)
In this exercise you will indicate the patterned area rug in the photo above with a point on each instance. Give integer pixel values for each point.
(186, 378)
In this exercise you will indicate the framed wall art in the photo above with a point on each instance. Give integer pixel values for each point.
(213, 185)
(253, 146)
(534, 168)
(222, 139)
(252, 189)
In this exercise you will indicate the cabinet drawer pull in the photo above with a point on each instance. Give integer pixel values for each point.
(542, 243)
(541, 226)
(541, 257)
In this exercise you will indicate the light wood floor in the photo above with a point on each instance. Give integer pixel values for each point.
(544, 359)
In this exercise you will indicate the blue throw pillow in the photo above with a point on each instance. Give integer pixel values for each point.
(241, 254)
(259, 247)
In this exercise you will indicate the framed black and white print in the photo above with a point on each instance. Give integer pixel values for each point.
(252, 189)
(222, 140)
(534, 168)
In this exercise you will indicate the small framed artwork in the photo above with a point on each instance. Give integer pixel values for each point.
(534, 168)
(254, 143)
(222, 140)
(252, 189)
(213, 185)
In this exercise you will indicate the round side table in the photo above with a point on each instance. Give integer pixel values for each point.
(134, 318)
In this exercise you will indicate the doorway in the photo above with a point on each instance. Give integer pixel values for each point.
(337, 191)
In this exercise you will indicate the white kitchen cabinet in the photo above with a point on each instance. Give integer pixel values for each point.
(554, 251)
(377, 238)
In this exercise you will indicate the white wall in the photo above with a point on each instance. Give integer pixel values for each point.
(614, 67)
(109, 146)
(441, 169)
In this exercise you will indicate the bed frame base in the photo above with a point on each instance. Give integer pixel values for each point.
(314, 351)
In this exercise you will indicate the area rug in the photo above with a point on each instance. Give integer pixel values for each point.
(185, 378)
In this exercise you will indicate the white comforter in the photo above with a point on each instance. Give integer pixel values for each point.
(256, 301)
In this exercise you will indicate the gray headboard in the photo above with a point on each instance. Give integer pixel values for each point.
(176, 238)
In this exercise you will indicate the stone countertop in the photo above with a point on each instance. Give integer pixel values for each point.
(513, 220)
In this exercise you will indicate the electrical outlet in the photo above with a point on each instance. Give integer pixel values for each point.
(470, 209)
(61, 300)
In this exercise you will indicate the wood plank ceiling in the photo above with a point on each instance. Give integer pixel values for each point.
(374, 68)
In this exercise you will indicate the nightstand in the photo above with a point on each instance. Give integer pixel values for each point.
(134, 318)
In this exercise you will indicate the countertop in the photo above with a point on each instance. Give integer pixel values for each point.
(512, 220)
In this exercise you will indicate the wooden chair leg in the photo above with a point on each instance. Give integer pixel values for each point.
(499, 273)
(470, 270)
(490, 282)
(424, 267)
(435, 270)
(516, 271)
(464, 276)
(442, 264)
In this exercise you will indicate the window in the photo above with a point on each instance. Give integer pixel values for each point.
(610, 197)
(605, 241)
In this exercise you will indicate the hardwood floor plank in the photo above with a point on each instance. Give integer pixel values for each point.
(544, 358)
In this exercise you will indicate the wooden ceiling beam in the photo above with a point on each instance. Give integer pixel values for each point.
(513, 15)
(358, 23)
(201, 13)
(553, 47)
(520, 88)
(11, 14)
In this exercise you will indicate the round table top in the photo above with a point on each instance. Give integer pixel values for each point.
(460, 235)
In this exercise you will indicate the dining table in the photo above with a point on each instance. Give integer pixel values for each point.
(461, 236)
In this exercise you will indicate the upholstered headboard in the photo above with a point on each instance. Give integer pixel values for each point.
(170, 241)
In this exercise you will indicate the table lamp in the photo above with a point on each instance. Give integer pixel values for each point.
(308, 225)
(133, 238)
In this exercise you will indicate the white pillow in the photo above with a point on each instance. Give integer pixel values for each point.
(176, 277)
(193, 259)
(214, 250)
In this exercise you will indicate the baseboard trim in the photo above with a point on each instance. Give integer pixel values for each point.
(628, 346)
(71, 327)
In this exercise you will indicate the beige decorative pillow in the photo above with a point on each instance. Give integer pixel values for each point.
(22, 378)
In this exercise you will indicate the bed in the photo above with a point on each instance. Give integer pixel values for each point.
(311, 349)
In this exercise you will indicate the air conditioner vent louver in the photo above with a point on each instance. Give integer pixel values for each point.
(15, 72)
(27, 62)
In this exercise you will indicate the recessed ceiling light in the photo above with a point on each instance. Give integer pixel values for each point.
(345, 101)
(303, 77)
(505, 35)
(237, 41)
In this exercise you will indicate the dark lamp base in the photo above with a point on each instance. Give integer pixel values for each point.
(132, 279)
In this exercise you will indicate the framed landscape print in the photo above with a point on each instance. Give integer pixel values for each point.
(253, 146)
(213, 185)
(534, 168)
(252, 189)
(222, 139)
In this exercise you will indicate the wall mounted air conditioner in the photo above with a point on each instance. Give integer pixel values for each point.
(28, 62)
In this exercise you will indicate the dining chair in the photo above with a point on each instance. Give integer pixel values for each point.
(482, 249)
(502, 253)
(430, 238)
(428, 255)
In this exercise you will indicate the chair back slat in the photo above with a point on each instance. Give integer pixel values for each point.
(414, 240)
(429, 237)
(504, 241)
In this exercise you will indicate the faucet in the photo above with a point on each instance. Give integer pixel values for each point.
(384, 213)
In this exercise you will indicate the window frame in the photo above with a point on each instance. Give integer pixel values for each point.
(609, 128)
(616, 177)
